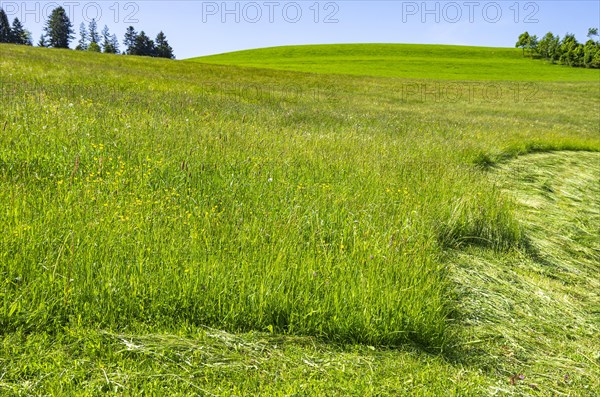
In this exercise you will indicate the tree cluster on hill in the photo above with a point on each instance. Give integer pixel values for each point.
(90, 40)
(141, 44)
(565, 51)
(58, 33)
(15, 34)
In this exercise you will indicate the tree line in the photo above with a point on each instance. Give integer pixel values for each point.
(58, 33)
(566, 51)
(15, 33)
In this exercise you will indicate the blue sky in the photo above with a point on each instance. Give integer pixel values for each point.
(196, 28)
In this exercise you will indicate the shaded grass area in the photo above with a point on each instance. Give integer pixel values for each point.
(215, 363)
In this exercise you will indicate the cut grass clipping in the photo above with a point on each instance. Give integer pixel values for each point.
(533, 315)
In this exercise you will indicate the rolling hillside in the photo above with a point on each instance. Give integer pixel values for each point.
(392, 225)
(411, 61)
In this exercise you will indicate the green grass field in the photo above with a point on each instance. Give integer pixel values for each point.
(222, 227)
(407, 61)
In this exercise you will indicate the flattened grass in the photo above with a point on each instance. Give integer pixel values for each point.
(535, 313)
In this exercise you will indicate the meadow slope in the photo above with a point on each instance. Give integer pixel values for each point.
(408, 61)
(190, 219)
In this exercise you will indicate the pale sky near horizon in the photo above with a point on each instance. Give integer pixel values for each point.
(196, 28)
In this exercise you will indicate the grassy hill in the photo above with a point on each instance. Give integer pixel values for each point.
(412, 61)
(192, 228)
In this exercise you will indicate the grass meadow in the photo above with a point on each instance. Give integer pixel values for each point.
(222, 227)
(408, 61)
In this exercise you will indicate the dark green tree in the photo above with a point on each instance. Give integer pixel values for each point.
(533, 45)
(579, 55)
(547, 47)
(571, 51)
(596, 59)
(20, 35)
(93, 32)
(105, 38)
(114, 42)
(129, 41)
(5, 30)
(107, 44)
(42, 42)
(591, 54)
(143, 46)
(94, 47)
(83, 38)
(554, 49)
(163, 49)
(544, 45)
(58, 29)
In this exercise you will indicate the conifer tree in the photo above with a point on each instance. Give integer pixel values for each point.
(83, 38)
(58, 29)
(143, 46)
(129, 41)
(114, 42)
(20, 35)
(42, 42)
(93, 32)
(107, 45)
(163, 49)
(5, 30)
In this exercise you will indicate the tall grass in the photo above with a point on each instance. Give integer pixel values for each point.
(143, 192)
